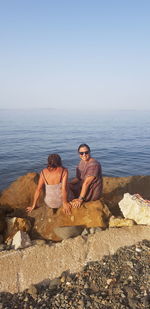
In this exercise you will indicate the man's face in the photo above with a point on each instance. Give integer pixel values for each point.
(84, 153)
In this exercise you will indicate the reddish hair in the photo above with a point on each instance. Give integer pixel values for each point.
(54, 160)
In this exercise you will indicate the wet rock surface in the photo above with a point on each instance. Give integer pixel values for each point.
(117, 281)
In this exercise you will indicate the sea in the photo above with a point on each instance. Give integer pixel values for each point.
(120, 140)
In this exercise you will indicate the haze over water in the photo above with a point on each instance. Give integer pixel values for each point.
(118, 139)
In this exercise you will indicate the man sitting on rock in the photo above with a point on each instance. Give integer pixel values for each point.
(87, 185)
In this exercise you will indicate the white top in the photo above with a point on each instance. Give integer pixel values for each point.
(53, 196)
(53, 193)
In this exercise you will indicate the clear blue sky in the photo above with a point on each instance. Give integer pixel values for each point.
(75, 53)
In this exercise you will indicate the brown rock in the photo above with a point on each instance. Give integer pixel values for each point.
(20, 193)
(91, 214)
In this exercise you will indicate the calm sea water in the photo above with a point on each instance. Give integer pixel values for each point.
(118, 139)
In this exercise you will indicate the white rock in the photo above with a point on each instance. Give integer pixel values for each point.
(136, 208)
(21, 240)
(85, 232)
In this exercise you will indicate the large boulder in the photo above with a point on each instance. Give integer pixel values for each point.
(91, 214)
(20, 193)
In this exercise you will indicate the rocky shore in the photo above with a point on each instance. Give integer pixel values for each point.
(106, 267)
(118, 281)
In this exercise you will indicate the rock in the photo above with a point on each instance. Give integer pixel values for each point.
(14, 225)
(85, 232)
(39, 242)
(136, 208)
(54, 283)
(118, 222)
(2, 247)
(2, 221)
(20, 193)
(1, 239)
(91, 214)
(21, 240)
(115, 187)
(64, 232)
(98, 229)
(92, 230)
(32, 290)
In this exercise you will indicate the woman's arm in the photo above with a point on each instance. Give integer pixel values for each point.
(66, 205)
(37, 193)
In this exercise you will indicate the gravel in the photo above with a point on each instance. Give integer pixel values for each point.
(117, 281)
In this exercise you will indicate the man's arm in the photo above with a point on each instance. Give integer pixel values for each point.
(74, 181)
(78, 202)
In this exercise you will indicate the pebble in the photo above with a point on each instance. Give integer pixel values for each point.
(119, 281)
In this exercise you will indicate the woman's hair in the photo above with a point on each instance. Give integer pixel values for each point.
(84, 145)
(54, 160)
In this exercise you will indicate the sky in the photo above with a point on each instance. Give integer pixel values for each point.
(75, 54)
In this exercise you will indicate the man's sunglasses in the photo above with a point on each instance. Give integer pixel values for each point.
(83, 152)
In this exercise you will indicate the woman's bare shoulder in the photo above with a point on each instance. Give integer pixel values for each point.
(65, 170)
(45, 170)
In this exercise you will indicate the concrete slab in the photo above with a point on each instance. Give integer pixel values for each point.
(19, 269)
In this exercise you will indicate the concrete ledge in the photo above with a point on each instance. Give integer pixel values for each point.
(19, 269)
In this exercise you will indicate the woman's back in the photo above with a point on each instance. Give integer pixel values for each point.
(53, 176)
(53, 187)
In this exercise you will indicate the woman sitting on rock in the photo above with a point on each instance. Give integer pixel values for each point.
(54, 178)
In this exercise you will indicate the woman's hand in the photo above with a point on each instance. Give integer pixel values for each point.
(76, 203)
(67, 208)
(30, 208)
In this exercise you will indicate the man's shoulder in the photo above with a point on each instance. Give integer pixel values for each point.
(94, 162)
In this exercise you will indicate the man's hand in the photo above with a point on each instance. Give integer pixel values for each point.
(76, 203)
